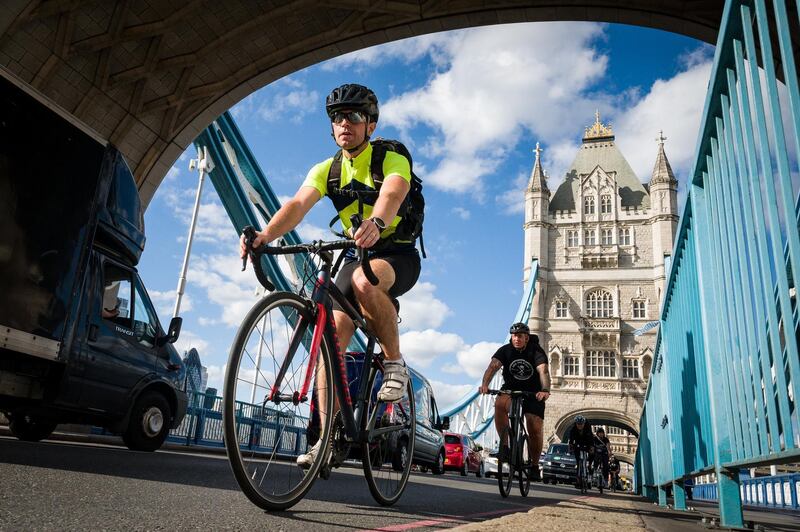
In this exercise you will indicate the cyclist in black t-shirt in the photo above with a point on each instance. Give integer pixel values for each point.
(525, 369)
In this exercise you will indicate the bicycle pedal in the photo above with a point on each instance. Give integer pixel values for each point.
(325, 472)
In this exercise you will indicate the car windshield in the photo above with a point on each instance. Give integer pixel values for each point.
(559, 450)
(452, 439)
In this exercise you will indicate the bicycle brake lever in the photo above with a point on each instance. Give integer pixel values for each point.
(249, 236)
(363, 255)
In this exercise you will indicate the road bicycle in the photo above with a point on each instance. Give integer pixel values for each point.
(520, 459)
(598, 478)
(583, 470)
(286, 345)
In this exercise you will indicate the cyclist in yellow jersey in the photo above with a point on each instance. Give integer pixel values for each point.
(353, 110)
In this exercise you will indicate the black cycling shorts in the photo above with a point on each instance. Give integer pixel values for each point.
(406, 268)
(530, 405)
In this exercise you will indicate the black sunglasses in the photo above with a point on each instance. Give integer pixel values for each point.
(354, 117)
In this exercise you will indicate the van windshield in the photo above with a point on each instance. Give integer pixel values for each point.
(452, 439)
(559, 450)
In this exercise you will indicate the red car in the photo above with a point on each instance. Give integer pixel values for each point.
(461, 454)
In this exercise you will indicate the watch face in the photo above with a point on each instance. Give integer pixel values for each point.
(379, 223)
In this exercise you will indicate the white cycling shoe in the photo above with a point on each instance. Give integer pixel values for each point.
(305, 460)
(395, 380)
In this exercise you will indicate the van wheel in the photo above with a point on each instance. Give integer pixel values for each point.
(29, 428)
(400, 457)
(149, 423)
(438, 466)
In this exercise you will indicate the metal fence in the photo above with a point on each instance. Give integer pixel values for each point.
(259, 428)
(726, 376)
(778, 491)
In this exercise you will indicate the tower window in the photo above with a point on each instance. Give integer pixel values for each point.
(572, 239)
(605, 204)
(589, 237)
(561, 309)
(639, 309)
(572, 366)
(600, 364)
(588, 205)
(625, 236)
(607, 237)
(630, 368)
(599, 304)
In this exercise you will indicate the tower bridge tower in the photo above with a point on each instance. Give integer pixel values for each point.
(601, 241)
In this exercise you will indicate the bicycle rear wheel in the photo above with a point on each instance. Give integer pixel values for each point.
(502, 480)
(263, 438)
(389, 436)
(524, 473)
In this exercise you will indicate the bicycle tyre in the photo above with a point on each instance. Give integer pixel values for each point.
(505, 482)
(387, 458)
(280, 312)
(525, 473)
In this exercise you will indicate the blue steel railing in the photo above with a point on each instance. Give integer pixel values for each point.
(777, 491)
(725, 380)
(260, 428)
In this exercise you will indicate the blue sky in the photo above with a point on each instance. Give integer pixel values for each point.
(471, 106)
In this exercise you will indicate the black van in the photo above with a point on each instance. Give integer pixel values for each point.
(80, 341)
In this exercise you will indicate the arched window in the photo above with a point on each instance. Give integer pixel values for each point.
(561, 309)
(599, 304)
(605, 204)
(588, 205)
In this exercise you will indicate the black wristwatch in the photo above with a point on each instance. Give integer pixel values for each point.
(380, 224)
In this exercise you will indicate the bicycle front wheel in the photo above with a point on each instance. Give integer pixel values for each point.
(264, 438)
(525, 460)
(389, 431)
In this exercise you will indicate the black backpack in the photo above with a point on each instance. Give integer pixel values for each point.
(413, 208)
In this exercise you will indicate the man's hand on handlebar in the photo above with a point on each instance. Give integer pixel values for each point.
(483, 389)
(257, 242)
(367, 234)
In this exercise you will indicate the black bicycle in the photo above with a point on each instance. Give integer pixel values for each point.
(520, 458)
(283, 371)
(582, 465)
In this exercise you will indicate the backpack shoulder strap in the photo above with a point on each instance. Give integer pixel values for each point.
(379, 149)
(335, 173)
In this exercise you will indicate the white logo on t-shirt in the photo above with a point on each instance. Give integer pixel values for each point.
(521, 369)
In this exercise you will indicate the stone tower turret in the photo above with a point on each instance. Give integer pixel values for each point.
(664, 209)
(537, 205)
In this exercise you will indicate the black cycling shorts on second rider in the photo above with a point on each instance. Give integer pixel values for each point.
(532, 406)
(406, 266)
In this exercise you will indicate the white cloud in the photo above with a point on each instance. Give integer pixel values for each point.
(420, 309)
(225, 285)
(474, 359)
(188, 340)
(513, 200)
(448, 395)
(296, 104)
(216, 377)
(461, 212)
(537, 82)
(421, 348)
(675, 106)
(407, 50)
(164, 302)
(172, 173)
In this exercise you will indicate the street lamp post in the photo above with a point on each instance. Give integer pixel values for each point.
(203, 164)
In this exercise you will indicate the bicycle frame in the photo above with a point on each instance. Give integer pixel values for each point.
(322, 297)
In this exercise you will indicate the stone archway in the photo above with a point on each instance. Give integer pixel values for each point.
(149, 76)
(595, 416)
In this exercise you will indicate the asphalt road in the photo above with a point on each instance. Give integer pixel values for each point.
(64, 485)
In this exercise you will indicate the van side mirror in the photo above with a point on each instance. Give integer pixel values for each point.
(444, 423)
(173, 333)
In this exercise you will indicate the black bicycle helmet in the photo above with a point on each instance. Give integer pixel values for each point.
(352, 96)
(518, 328)
(579, 419)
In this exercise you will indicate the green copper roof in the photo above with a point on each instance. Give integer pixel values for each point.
(602, 152)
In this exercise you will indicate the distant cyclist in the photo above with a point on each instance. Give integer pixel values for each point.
(581, 438)
(602, 448)
(613, 470)
(525, 369)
